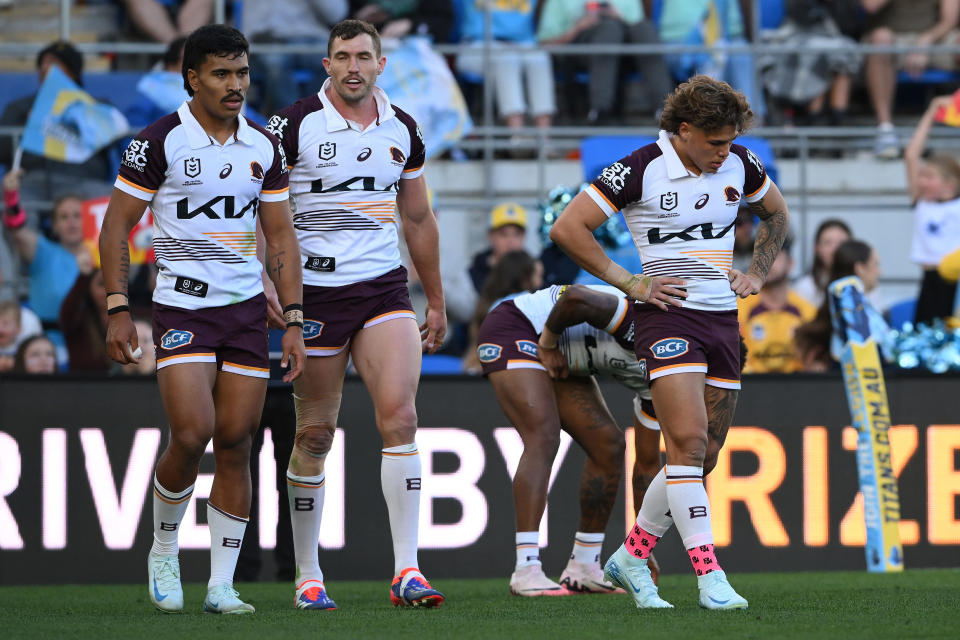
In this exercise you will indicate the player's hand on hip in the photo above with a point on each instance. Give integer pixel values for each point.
(294, 354)
(744, 284)
(274, 310)
(553, 359)
(434, 330)
(659, 291)
(122, 342)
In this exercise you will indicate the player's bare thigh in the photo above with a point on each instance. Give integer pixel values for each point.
(527, 398)
(387, 356)
(187, 393)
(678, 399)
(721, 404)
(585, 416)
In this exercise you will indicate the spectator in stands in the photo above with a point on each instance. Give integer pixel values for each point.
(52, 264)
(714, 23)
(768, 320)
(290, 22)
(808, 81)
(16, 325)
(818, 348)
(907, 23)
(83, 320)
(515, 272)
(47, 179)
(161, 91)
(831, 233)
(165, 20)
(36, 355)
(400, 18)
(934, 183)
(510, 71)
(606, 22)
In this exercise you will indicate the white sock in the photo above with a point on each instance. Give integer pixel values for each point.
(305, 495)
(168, 510)
(226, 536)
(689, 504)
(400, 480)
(654, 516)
(528, 548)
(587, 547)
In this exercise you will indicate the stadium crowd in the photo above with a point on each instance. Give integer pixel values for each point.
(46, 261)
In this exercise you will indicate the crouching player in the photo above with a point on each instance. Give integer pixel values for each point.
(206, 172)
(581, 330)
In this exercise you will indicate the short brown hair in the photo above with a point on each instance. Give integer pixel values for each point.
(707, 104)
(350, 29)
(947, 165)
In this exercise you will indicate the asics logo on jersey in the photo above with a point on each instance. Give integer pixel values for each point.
(364, 154)
(615, 176)
(669, 348)
(527, 347)
(488, 352)
(135, 156)
(210, 208)
(256, 170)
(706, 233)
(276, 125)
(227, 168)
(191, 167)
(312, 329)
(702, 202)
(175, 338)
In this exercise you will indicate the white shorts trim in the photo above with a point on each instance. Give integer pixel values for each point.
(319, 352)
(723, 383)
(646, 420)
(243, 370)
(184, 359)
(525, 364)
(681, 368)
(390, 315)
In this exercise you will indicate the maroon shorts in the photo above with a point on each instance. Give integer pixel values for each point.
(234, 336)
(688, 340)
(333, 315)
(507, 340)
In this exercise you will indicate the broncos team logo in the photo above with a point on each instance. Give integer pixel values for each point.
(312, 329)
(175, 338)
(256, 170)
(488, 352)
(669, 348)
(397, 155)
(732, 196)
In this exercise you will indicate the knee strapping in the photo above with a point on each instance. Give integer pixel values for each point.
(316, 423)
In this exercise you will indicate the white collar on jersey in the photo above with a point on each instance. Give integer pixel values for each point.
(198, 138)
(336, 122)
(675, 168)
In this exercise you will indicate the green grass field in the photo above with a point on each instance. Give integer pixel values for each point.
(914, 604)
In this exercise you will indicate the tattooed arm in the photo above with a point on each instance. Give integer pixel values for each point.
(577, 304)
(122, 215)
(771, 232)
(282, 263)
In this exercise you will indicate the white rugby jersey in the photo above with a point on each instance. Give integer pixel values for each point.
(936, 230)
(589, 350)
(343, 186)
(682, 223)
(204, 197)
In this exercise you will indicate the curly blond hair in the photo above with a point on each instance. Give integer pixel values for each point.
(707, 104)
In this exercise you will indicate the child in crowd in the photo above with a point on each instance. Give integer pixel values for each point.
(16, 325)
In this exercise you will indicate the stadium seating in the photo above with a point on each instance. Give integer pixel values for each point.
(902, 312)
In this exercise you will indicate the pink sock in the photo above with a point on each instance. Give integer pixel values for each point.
(640, 543)
(703, 559)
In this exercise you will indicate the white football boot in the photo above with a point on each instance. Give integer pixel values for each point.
(716, 592)
(223, 598)
(163, 577)
(530, 581)
(633, 575)
(582, 577)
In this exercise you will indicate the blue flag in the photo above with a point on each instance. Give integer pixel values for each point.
(67, 124)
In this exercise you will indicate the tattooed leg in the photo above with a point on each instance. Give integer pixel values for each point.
(721, 404)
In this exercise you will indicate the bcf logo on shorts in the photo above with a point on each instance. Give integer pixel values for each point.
(669, 348)
(527, 348)
(488, 352)
(175, 338)
(312, 329)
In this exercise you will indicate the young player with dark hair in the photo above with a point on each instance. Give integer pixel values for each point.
(211, 177)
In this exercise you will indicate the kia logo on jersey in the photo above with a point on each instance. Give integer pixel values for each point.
(668, 201)
(191, 167)
(669, 348)
(175, 338)
(256, 170)
(328, 150)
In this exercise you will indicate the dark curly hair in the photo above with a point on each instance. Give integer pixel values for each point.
(707, 104)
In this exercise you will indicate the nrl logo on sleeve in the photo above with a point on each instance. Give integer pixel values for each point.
(135, 156)
(669, 348)
(527, 347)
(175, 338)
(312, 329)
(615, 176)
(488, 352)
(276, 125)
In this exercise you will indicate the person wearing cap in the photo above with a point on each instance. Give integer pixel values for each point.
(508, 232)
(45, 179)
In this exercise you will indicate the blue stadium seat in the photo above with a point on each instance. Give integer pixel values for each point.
(772, 13)
(439, 364)
(902, 312)
(930, 76)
